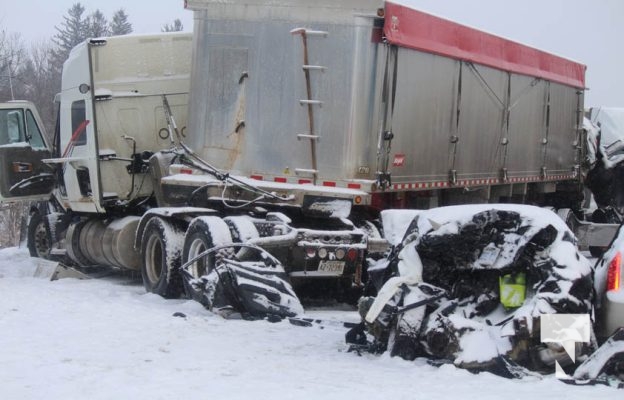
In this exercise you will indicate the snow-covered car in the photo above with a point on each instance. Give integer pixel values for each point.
(468, 285)
(609, 290)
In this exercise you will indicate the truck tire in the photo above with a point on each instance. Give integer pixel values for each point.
(160, 258)
(39, 241)
(242, 229)
(203, 234)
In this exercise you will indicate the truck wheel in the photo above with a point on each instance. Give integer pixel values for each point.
(160, 258)
(39, 240)
(203, 234)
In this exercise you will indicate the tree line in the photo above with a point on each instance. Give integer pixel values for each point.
(33, 72)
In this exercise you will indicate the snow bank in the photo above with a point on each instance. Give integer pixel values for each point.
(16, 263)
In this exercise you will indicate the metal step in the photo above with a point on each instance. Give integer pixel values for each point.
(312, 102)
(309, 32)
(308, 136)
(314, 68)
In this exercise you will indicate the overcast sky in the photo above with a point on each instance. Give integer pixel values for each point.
(588, 31)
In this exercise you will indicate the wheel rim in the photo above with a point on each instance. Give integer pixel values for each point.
(154, 258)
(42, 243)
(198, 268)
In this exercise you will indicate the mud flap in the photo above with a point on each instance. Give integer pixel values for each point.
(64, 271)
(54, 271)
(45, 269)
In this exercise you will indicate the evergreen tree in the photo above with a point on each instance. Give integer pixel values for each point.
(176, 26)
(119, 24)
(97, 25)
(72, 31)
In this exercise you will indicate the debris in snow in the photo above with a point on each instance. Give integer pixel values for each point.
(248, 282)
(608, 360)
(605, 156)
(468, 253)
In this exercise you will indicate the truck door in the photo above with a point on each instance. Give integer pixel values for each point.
(23, 175)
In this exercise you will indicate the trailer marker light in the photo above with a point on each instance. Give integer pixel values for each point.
(322, 252)
(358, 200)
(280, 179)
(310, 252)
(186, 171)
(352, 254)
(614, 273)
(354, 186)
(304, 181)
(329, 184)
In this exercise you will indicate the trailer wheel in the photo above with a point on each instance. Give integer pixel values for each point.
(39, 240)
(160, 258)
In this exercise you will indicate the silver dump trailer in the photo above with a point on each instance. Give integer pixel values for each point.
(415, 110)
(288, 125)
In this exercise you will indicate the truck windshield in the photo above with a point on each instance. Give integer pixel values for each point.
(12, 129)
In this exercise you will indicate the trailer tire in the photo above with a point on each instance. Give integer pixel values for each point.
(39, 240)
(160, 258)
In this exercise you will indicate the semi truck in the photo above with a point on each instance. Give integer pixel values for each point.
(287, 125)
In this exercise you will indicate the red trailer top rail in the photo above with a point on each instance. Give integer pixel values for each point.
(414, 29)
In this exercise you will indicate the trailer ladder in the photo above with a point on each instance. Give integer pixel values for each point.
(310, 102)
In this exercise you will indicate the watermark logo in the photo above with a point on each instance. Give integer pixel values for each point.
(566, 330)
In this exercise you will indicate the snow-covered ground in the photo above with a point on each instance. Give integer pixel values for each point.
(106, 338)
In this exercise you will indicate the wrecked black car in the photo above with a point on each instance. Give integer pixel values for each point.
(239, 280)
(467, 285)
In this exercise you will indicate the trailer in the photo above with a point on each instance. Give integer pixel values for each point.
(289, 126)
(414, 110)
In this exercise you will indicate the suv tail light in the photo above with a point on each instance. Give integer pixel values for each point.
(614, 273)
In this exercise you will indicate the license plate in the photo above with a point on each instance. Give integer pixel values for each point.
(331, 267)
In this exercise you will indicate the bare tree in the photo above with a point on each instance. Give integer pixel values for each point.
(12, 55)
(39, 83)
(11, 223)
